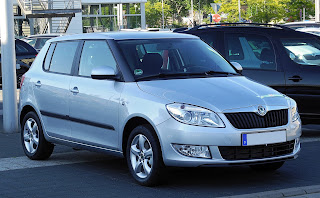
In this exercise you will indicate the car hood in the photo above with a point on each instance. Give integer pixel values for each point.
(217, 93)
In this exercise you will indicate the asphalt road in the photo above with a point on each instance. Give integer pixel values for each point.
(70, 173)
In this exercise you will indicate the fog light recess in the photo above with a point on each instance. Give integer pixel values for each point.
(192, 150)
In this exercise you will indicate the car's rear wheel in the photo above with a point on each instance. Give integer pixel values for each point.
(267, 167)
(144, 157)
(34, 144)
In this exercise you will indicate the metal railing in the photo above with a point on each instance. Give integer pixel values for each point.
(38, 5)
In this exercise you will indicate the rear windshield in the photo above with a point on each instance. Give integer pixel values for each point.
(172, 56)
(303, 51)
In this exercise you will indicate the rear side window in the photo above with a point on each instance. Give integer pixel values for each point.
(47, 60)
(62, 58)
(303, 51)
(251, 51)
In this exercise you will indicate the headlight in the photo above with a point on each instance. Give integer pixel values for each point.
(294, 114)
(193, 115)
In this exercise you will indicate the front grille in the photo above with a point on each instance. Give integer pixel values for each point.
(249, 120)
(256, 152)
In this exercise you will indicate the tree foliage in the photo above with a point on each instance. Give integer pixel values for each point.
(154, 14)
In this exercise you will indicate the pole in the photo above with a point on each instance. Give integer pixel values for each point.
(143, 15)
(199, 14)
(192, 21)
(317, 6)
(8, 61)
(239, 9)
(162, 16)
(304, 14)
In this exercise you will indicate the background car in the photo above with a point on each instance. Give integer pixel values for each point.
(302, 24)
(25, 55)
(38, 41)
(311, 30)
(278, 56)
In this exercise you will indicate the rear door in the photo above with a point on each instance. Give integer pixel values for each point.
(51, 88)
(302, 56)
(94, 103)
(256, 54)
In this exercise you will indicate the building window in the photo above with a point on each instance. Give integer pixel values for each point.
(99, 18)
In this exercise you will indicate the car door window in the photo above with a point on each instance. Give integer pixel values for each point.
(95, 54)
(47, 60)
(63, 56)
(251, 51)
(303, 51)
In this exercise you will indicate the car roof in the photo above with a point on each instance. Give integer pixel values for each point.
(122, 36)
(301, 23)
(44, 35)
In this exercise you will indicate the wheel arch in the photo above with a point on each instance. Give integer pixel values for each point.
(130, 125)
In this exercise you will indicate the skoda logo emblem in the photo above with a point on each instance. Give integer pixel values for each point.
(262, 111)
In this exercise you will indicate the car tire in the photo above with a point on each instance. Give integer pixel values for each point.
(267, 167)
(34, 144)
(20, 73)
(144, 158)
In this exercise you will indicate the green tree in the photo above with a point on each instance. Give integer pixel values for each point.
(179, 8)
(265, 11)
(154, 14)
(294, 7)
(230, 8)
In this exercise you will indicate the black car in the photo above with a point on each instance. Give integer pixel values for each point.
(25, 55)
(278, 56)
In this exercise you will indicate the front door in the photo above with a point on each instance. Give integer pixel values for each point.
(94, 103)
(257, 56)
(303, 76)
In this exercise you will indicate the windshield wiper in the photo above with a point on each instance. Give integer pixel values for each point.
(164, 75)
(211, 72)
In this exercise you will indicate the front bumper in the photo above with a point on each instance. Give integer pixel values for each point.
(173, 132)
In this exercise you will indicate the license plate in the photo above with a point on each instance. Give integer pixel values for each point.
(249, 139)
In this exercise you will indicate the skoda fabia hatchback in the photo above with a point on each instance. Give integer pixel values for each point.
(158, 99)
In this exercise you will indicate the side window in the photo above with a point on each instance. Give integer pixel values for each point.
(209, 37)
(251, 51)
(95, 54)
(63, 56)
(47, 60)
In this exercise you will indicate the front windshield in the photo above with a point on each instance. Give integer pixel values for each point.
(172, 56)
(303, 51)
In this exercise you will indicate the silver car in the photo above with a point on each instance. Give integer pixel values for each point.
(158, 99)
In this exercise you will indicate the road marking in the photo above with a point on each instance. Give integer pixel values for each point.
(16, 163)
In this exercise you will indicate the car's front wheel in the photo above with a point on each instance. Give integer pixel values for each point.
(144, 157)
(267, 167)
(34, 144)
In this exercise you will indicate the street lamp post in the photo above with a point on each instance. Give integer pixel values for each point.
(317, 7)
(8, 62)
(192, 21)
(239, 9)
(162, 16)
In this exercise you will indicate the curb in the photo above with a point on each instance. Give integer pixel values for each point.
(289, 192)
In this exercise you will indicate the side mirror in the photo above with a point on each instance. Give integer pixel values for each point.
(103, 72)
(237, 66)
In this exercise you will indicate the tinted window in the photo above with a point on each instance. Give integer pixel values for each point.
(303, 51)
(40, 42)
(251, 51)
(48, 57)
(24, 48)
(63, 56)
(95, 54)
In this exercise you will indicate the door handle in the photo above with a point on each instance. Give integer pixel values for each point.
(38, 83)
(74, 90)
(295, 78)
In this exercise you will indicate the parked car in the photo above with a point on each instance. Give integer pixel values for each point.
(302, 24)
(311, 30)
(158, 99)
(25, 55)
(38, 41)
(284, 59)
